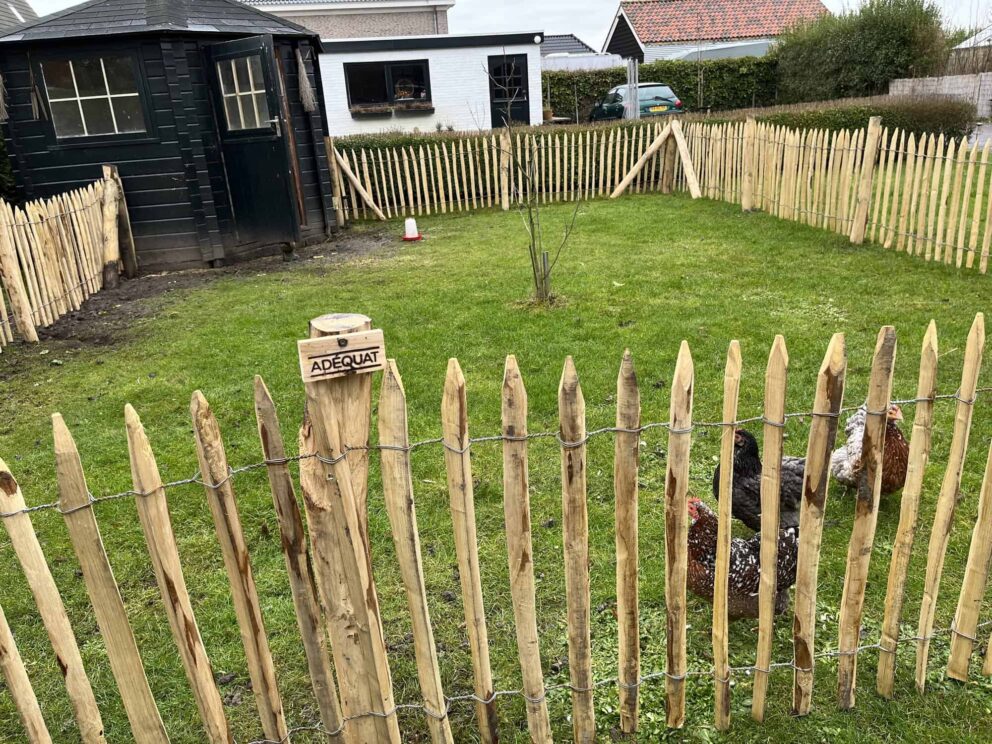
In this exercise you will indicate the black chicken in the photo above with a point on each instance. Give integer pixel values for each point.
(747, 484)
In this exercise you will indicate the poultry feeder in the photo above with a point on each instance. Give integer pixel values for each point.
(411, 233)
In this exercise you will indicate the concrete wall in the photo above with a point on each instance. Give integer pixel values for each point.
(459, 89)
(361, 25)
(974, 88)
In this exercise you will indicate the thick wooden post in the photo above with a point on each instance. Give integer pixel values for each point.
(397, 486)
(153, 512)
(822, 435)
(626, 456)
(53, 615)
(339, 419)
(111, 243)
(677, 532)
(747, 177)
(868, 168)
(505, 166)
(865, 514)
(461, 495)
(294, 548)
(111, 617)
(919, 454)
(214, 469)
(125, 247)
(721, 639)
(19, 687)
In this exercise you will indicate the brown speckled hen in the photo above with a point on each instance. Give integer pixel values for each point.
(745, 564)
(846, 464)
(747, 484)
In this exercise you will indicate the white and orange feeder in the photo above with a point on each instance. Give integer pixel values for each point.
(411, 233)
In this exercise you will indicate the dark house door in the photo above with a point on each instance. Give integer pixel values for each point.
(509, 92)
(253, 139)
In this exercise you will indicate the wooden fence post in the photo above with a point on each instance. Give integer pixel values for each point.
(868, 168)
(153, 512)
(343, 568)
(950, 494)
(575, 541)
(397, 486)
(294, 548)
(823, 432)
(520, 551)
(19, 687)
(505, 165)
(337, 192)
(111, 242)
(865, 514)
(747, 177)
(976, 575)
(458, 465)
(50, 607)
(656, 145)
(776, 375)
(626, 455)
(125, 247)
(215, 472)
(13, 282)
(919, 454)
(721, 650)
(105, 597)
(677, 532)
(687, 166)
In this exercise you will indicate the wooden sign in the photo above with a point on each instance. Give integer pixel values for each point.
(336, 356)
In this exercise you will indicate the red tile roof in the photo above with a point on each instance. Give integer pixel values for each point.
(661, 21)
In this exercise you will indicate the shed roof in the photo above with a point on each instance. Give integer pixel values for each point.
(113, 17)
(664, 21)
(14, 13)
(564, 44)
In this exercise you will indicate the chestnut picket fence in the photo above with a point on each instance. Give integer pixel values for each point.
(928, 196)
(336, 597)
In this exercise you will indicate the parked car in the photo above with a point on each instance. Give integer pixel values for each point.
(656, 99)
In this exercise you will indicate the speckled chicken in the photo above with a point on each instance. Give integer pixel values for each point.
(846, 464)
(745, 564)
(747, 484)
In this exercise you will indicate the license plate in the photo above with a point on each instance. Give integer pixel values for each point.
(659, 108)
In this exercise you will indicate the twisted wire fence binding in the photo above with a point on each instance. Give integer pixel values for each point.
(644, 679)
(197, 478)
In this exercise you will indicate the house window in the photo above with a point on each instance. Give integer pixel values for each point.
(242, 86)
(508, 81)
(94, 96)
(386, 83)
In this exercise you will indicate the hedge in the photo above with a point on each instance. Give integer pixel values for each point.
(725, 83)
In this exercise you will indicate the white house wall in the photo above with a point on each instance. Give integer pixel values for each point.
(459, 89)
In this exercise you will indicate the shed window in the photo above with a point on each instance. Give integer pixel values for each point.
(371, 83)
(94, 96)
(242, 86)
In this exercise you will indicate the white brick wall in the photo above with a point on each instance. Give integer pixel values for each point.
(459, 89)
(974, 88)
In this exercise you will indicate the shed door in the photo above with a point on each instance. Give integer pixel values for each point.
(509, 92)
(253, 139)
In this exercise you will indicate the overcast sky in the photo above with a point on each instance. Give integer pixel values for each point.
(588, 19)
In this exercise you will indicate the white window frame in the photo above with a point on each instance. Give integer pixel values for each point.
(239, 95)
(109, 97)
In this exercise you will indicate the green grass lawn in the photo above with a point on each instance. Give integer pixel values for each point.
(644, 272)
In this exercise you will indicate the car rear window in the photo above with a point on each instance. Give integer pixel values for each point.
(661, 92)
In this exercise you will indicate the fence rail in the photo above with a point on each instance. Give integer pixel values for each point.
(57, 252)
(354, 694)
(927, 196)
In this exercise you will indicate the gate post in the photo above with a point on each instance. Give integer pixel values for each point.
(747, 180)
(336, 363)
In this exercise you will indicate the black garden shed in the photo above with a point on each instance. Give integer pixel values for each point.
(198, 103)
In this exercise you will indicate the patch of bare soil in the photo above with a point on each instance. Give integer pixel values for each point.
(106, 316)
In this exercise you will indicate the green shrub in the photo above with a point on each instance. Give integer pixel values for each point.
(724, 83)
(952, 117)
(858, 53)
